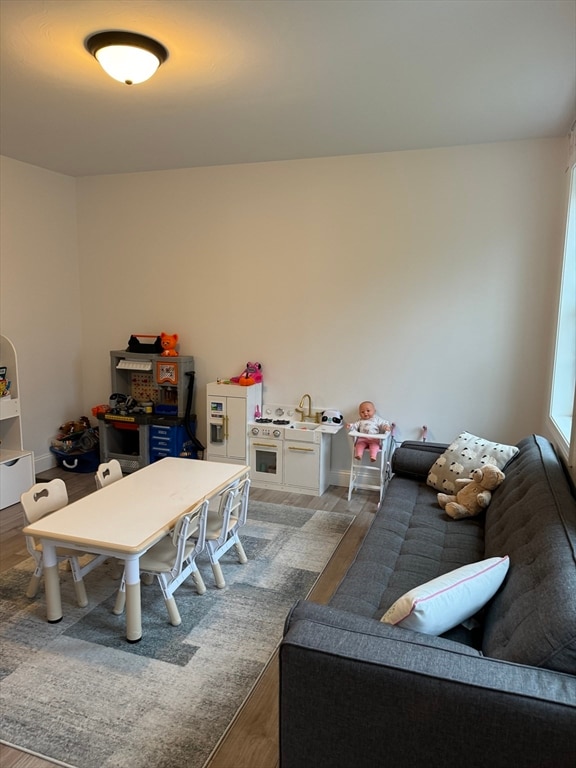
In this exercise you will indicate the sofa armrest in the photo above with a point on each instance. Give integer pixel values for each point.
(357, 692)
(414, 459)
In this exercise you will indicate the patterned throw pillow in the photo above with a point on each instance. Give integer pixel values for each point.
(465, 453)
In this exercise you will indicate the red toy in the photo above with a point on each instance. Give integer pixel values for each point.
(252, 374)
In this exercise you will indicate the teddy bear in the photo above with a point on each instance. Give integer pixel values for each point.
(475, 495)
(168, 343)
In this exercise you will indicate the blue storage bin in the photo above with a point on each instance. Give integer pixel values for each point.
(87, 461)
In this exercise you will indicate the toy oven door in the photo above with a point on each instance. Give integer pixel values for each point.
(266, 460)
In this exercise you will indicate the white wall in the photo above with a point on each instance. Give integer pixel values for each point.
(40, 302)
(423, 280)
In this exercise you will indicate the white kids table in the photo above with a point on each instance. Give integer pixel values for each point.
(125, 519)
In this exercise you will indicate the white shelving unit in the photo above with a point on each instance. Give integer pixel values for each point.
(16, 464)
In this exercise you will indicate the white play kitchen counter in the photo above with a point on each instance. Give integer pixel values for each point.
(307, 458)
(288, 455)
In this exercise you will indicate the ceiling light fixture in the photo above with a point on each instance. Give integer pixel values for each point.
(128, 57)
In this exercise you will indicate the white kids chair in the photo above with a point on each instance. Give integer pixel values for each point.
(39, 501)
(173, 559)
(223, 527)
(108, 473)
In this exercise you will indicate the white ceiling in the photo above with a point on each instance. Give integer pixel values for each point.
(256, 80)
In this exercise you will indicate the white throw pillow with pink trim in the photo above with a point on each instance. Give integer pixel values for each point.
(450, 599)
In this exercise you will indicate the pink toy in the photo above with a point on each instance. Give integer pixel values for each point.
(168, 343)
(252, 374)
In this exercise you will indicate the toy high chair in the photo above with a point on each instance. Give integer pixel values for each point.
(368, 475)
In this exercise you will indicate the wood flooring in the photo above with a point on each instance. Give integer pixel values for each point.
(251, 740)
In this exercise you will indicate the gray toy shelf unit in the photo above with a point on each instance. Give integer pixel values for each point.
(157, 426)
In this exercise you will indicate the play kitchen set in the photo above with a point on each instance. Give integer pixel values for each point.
(287, 446)
(289, 453)
(148, 417)
(149, 412)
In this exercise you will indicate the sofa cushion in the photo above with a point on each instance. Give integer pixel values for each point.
(411, 540)
(532, 518)
(465, 453)
(448, 600)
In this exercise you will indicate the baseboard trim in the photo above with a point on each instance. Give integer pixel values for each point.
(44, 462)
(340, 477)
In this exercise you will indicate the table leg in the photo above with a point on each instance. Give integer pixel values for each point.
(133, 605)
(51, 583)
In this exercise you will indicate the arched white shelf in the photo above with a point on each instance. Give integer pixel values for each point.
(16, 464)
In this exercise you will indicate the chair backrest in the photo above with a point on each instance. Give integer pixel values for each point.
(108, 472)
(192, 523)
(44, 498)
(234, 503)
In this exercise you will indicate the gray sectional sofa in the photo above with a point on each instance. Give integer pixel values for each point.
(357, 693)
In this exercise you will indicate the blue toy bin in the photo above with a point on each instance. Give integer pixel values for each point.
(76, 461)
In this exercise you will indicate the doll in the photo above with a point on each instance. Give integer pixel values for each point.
(368, 424)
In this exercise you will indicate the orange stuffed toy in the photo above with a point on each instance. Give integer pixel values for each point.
(168, 343)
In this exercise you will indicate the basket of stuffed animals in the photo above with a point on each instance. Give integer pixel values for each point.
(76, 446)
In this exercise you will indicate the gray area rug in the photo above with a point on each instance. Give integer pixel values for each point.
(77, 692)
